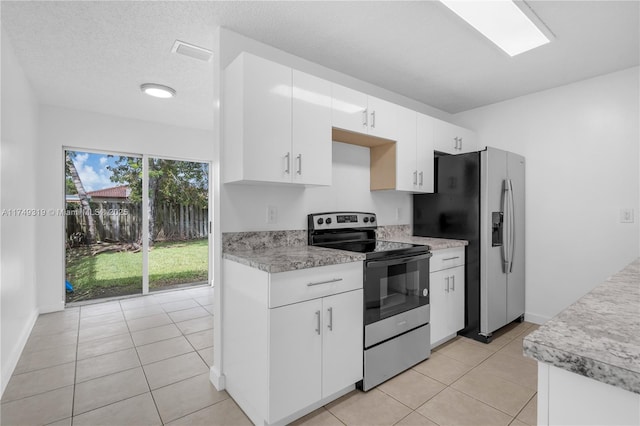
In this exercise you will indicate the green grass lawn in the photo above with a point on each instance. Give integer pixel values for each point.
(111, 273)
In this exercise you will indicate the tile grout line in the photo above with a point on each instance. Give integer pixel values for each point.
(75, 369)
(135, 347)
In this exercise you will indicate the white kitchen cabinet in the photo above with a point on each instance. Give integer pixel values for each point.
(292, 341)
(414, 152)
(446, 283)
(424, 153)
(357, 112)
(311, 129)
(277, 124)
(452, 139)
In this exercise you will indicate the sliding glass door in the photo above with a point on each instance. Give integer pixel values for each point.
(103, 225)
(134, 224)
(178, 223)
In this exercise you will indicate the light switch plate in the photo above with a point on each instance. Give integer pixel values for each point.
(626, 215)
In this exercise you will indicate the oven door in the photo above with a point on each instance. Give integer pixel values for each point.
(395, 285)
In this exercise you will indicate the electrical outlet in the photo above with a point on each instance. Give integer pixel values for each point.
(626, 215)
(272, 214)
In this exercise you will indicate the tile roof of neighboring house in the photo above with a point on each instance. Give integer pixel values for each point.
(115, 192)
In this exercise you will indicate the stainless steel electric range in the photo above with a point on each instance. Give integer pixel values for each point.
(396, 292)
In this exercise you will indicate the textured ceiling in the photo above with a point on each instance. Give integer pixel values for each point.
(94, 55)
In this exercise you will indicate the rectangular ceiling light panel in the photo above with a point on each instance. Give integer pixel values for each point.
(502, 22)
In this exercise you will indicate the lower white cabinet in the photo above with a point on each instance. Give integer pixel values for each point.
(446, 283)
(284, 357)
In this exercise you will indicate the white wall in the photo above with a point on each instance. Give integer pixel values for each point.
(63, 127)
(581, 144)
(19, 115)
(244, 207)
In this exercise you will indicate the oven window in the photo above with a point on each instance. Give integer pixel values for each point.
(395, 286)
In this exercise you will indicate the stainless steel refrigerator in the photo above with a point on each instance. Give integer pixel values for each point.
(480, 198)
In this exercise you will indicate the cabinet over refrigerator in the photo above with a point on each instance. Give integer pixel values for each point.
(480, 198)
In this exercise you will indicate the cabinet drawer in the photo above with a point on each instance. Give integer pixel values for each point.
(445, 259)
(305, 284)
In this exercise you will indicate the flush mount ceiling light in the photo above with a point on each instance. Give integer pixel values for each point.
(503, 22)
(158, 90)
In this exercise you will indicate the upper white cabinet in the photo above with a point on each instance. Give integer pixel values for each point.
(358, 112)
(277, 124)
(453, 139)
(414, 152)
(311, 134)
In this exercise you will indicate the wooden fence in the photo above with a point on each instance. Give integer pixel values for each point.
(122, 221)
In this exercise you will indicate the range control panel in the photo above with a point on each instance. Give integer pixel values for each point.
(337, 220)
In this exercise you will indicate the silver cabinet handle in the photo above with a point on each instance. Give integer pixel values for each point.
(421, 178)
(373, 120)
(365, 117)
(447, 281)
(287, 170)
(330, 326)
(453, 283)
(460, 144)
(334, 280)
(451, 258)
(456, 143)
(318, 322)
(299, 157)
(415, 177)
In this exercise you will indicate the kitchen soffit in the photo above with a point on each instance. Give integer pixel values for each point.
(94, 55)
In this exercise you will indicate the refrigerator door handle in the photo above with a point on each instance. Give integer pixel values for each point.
(505, 228)
(512, 225)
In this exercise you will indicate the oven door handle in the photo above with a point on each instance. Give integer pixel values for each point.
(397, 261)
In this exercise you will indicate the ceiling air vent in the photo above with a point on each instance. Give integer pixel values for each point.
(192, 51)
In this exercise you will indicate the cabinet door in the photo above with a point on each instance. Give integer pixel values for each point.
(342, 349)
(445, 135)
(467, 140)
(295, 363)
(406, 171)
(438, 294)
(382, 118)
(348, 109)
(424, 153)
(311, 131)
(455, 301)
(266, 121)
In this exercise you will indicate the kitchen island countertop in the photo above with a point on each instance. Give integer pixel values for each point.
(599, 335)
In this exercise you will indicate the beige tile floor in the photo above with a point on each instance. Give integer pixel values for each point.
(144, 361)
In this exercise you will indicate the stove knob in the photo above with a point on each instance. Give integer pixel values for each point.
(328, 221)
(372, 219)
(320, 221)
(365, 220)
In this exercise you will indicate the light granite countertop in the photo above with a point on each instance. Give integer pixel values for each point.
(433, 243)
(289, 258)
(599, 335)
(281, 251)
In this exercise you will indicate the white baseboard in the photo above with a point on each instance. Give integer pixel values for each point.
(536, 319)
(9, 364)
(217, 379)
